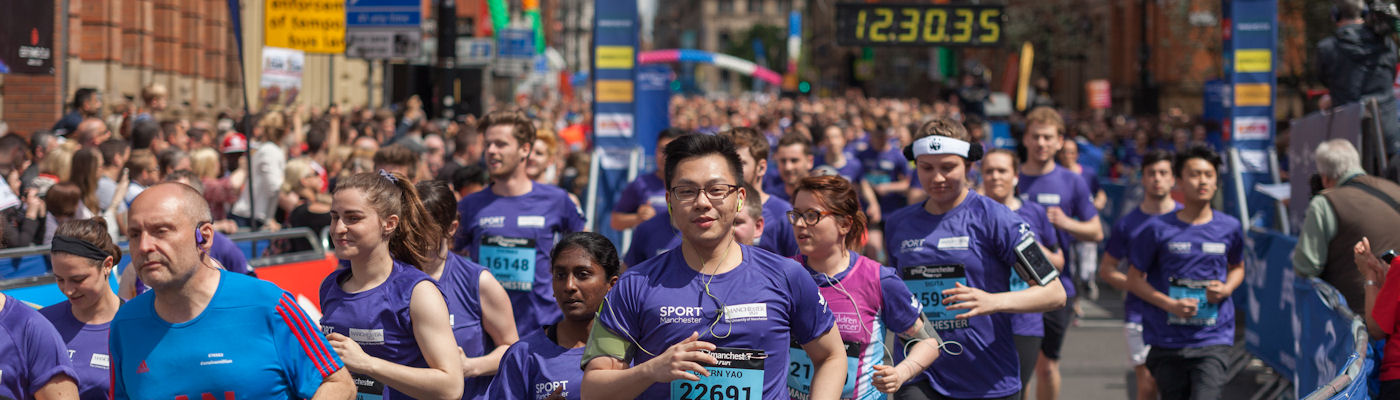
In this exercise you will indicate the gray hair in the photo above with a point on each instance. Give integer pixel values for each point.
(1335, 158)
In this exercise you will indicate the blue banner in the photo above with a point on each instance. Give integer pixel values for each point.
(1250, 59)
(615, 24)
(653, 108)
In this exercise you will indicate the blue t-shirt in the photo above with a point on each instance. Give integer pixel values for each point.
(1066, 190)
(512, 236)
(378, 319)
(279, 352)
(973, 244)
(460, 284)
(646, 189)
(777, 231)
(1032, 324)
(1178, 259)
(34, 352)
(536, 365)
(651, 238)
(87, 349)
(768, 302)
(882, 167)
(1090, 155)
(1117, 245)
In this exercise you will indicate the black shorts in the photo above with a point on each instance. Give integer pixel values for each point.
(1028, 349)
(1056, 324)
(1189, 373)
(922, 390)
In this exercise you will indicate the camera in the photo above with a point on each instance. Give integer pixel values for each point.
(1382, 18)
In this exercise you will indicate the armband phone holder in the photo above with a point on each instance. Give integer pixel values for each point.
(1032, 263)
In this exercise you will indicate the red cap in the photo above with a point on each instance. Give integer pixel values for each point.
(234, 143)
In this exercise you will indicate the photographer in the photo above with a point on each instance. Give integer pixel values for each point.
(1358, 62)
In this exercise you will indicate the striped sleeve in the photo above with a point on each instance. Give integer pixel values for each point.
(306, 354)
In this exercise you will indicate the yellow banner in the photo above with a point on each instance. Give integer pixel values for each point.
(615, 57)
(613, 91)
(1253, 95)
(313, 26)
(1254, 60)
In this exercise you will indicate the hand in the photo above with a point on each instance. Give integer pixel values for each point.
(558, 393)
(271, 226)
(13, 177)
(976, 301)
(1056, 216)
(1215, 292)
(34, 206)
(350, 353)
(1184, 308)
(1372, 269)
(680, 359)
(889, 379)
(645, 212)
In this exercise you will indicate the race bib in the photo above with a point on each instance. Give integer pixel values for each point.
(1048, 199)
(928, 282)
(1017, 283)
(366, 388)
(1195, 289)
(799, 379)
(876, 178)
(511, 261)
(737, 376)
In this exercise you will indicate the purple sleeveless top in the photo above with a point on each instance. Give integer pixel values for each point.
(377, 319)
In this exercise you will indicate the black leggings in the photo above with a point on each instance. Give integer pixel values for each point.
(924, 391)
(1028, 349)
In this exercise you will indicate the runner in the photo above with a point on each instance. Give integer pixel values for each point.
(842, 159)
(866, 297)
(35, 365)
(713, 300)
(478, 307)
(794, 161)
(749, 223)
(999, 176)
(1186, 264)
(887, 172)
(646, 196)
(1157, 182)
(511, 227)
(652, 238)
(385, 317)
(1086, 253)
(160, 341)
(83, 256)
(956, 252)
(1068, 204)
(544, 365)
(753, 152)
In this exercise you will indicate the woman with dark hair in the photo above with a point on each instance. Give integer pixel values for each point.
(83, 256)
(545, 364)
(64, 201)
(383, 300)
(830, 227)
(478, 306)
(956, 251)
(87, 163)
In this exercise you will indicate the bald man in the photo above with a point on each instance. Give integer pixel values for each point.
(91, 132)
(178, 340)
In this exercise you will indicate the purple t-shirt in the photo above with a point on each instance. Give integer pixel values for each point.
(87, 349)
(768, 302)
(777, 231)
(536, 365)
(1032, 324)
(512, 236)
(1179, 258)
(1066, 190)
(651, 238)
(883, 167)
(1117, 245)
(852, 171)
(34, 352)
(227, 253)
(460, 284)
(1091, 179)
(378, 319)
(646, 189)
(972, 244)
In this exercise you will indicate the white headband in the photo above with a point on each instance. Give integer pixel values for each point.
(941, 145)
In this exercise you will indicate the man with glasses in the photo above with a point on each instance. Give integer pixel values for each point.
(715, 316)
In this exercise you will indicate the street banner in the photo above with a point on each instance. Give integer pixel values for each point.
(281, 75)
(615, 29)
(26, 37)
(312, 26)
(653, 108)
(383, 29)
(1251, 48)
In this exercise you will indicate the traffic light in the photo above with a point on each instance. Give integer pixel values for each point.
(804, 87)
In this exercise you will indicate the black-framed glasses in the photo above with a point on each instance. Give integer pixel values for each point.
(715, 192)
(811, 216)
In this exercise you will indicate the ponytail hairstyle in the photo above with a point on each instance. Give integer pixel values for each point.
(93, 231)
(837, 195)
(440, 202)
(415, 241)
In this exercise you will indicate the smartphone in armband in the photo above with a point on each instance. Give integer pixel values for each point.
(1032, 263)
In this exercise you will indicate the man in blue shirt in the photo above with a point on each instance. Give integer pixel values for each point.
(160, 345)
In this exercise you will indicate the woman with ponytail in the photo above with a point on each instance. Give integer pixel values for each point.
(478, 307)
(83, 255)
(386, 318)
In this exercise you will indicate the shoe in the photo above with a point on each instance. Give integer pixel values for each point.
(1093, 289)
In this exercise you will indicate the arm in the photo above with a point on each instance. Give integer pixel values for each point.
(1086, 231)
(608, 377)
(829, 360)
(443, 377)
(499, 323)
(1137, 282)
(336, 386)
(622, 221)
(1218, 291)
(1319, 227)
(1108, 272)
(872, 209)
(889, 379)
(60, 387)
(1100, 200)
(1374, 272)
(1029, 300)
(1057, 257)
(896, 186)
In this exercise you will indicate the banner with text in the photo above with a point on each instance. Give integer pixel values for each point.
(1251, 44)
(312, 26)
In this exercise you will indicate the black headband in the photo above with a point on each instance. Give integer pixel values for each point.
(77, 247)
